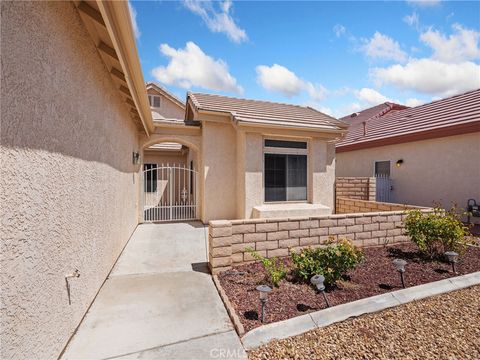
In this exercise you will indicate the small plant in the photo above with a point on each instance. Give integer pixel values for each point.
(332, 261)
(276, 269)
(436, 232)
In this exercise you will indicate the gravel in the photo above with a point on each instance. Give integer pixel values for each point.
(442, 327)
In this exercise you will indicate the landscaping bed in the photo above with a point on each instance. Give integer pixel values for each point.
(373, 276)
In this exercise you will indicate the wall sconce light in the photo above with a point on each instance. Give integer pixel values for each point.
(135, 157)
(399, 163)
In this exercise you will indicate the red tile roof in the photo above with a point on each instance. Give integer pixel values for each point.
(452, 116)
(255, 112)
(375, 111)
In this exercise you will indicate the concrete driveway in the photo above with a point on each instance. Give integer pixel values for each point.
(158, 303)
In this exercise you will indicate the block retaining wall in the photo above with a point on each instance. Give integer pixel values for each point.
(361, 188)
(228, 240)
(348, 206)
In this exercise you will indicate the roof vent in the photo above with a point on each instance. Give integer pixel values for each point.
(354, 114)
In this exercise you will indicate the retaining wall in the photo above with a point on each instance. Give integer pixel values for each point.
(348, 206)
(228, 240)
(361, 188)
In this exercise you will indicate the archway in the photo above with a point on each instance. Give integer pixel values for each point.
(170, 189)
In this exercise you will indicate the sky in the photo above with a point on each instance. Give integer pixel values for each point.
(338, 57)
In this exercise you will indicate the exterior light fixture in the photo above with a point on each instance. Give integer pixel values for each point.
(400, 267)
(399, 163)
(452, 257)
(263, 290)
(135, 158)
(318, 280)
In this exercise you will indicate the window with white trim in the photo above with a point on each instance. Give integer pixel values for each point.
(154, 100)
(285, 170)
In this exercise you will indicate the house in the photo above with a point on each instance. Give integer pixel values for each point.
(429, 153)
(245, 159)
(77, 125)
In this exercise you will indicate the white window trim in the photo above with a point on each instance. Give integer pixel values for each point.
(152, 97)
(284, 151)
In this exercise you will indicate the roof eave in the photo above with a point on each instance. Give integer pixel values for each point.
(116, 16)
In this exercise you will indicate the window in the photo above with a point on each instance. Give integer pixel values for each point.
(150, 177)
(382, 168)
(285, 170)
(154, 101)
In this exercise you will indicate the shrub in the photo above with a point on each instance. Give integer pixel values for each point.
(332, 261)
(437, 232)
(276, 269)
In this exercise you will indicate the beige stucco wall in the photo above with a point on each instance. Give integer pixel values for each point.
(69, 189)
(218, 171)
(164, 157)
(444, 169)
(168, 109)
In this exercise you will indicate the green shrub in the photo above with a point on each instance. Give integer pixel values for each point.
(276, 269)
(332, 261)
(437, 232)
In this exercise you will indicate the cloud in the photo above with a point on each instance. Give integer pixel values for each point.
(370, 96)
(430, 76)
(424, 3)
(339, 30)
(277, 78)
(383, 47)
(133, 18)
(460, 46)
(192, 67)
(217, 17)
(412, 20)
(412, 102)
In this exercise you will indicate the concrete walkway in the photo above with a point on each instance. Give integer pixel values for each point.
(158, 303)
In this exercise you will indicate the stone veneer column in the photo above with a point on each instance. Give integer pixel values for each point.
(219, 245)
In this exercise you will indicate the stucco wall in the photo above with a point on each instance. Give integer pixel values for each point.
(69, 189)
(218, 171)
(168, 109)
(444, 169)
(164, 157)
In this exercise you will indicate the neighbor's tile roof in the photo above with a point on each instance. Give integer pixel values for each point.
(255, 112)
(455, 115)
(375, 111)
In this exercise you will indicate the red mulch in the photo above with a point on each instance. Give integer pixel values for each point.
(375, 275)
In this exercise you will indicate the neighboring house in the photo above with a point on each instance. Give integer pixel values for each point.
(430, 152)
(251, 159)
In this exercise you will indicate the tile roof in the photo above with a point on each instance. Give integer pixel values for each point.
(455, 115)
(379, 110)
(255, 112)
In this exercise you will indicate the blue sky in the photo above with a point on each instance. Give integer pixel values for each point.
(338, 57)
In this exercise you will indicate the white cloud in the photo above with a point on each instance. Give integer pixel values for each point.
(370, 96)
(430, 76)
(339, 30)
(192, 67)
(424, 3)
(412, 102)
(217, 17)
(460, 46)
(383, 47)
(278, 78)
(412, 20)
(133, 17)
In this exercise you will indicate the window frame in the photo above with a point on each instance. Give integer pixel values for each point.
(285, 151)
(152, 97)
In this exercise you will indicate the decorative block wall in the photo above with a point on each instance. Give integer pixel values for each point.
(228, 240)
(361, 188)
(348, 206)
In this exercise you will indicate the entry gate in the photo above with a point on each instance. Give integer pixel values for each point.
(384, 188)
(169, 193)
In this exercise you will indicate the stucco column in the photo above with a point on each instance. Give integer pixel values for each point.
(322, 174)
(253, 172)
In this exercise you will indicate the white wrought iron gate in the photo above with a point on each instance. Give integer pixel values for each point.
(384, 188)
(169, 193)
